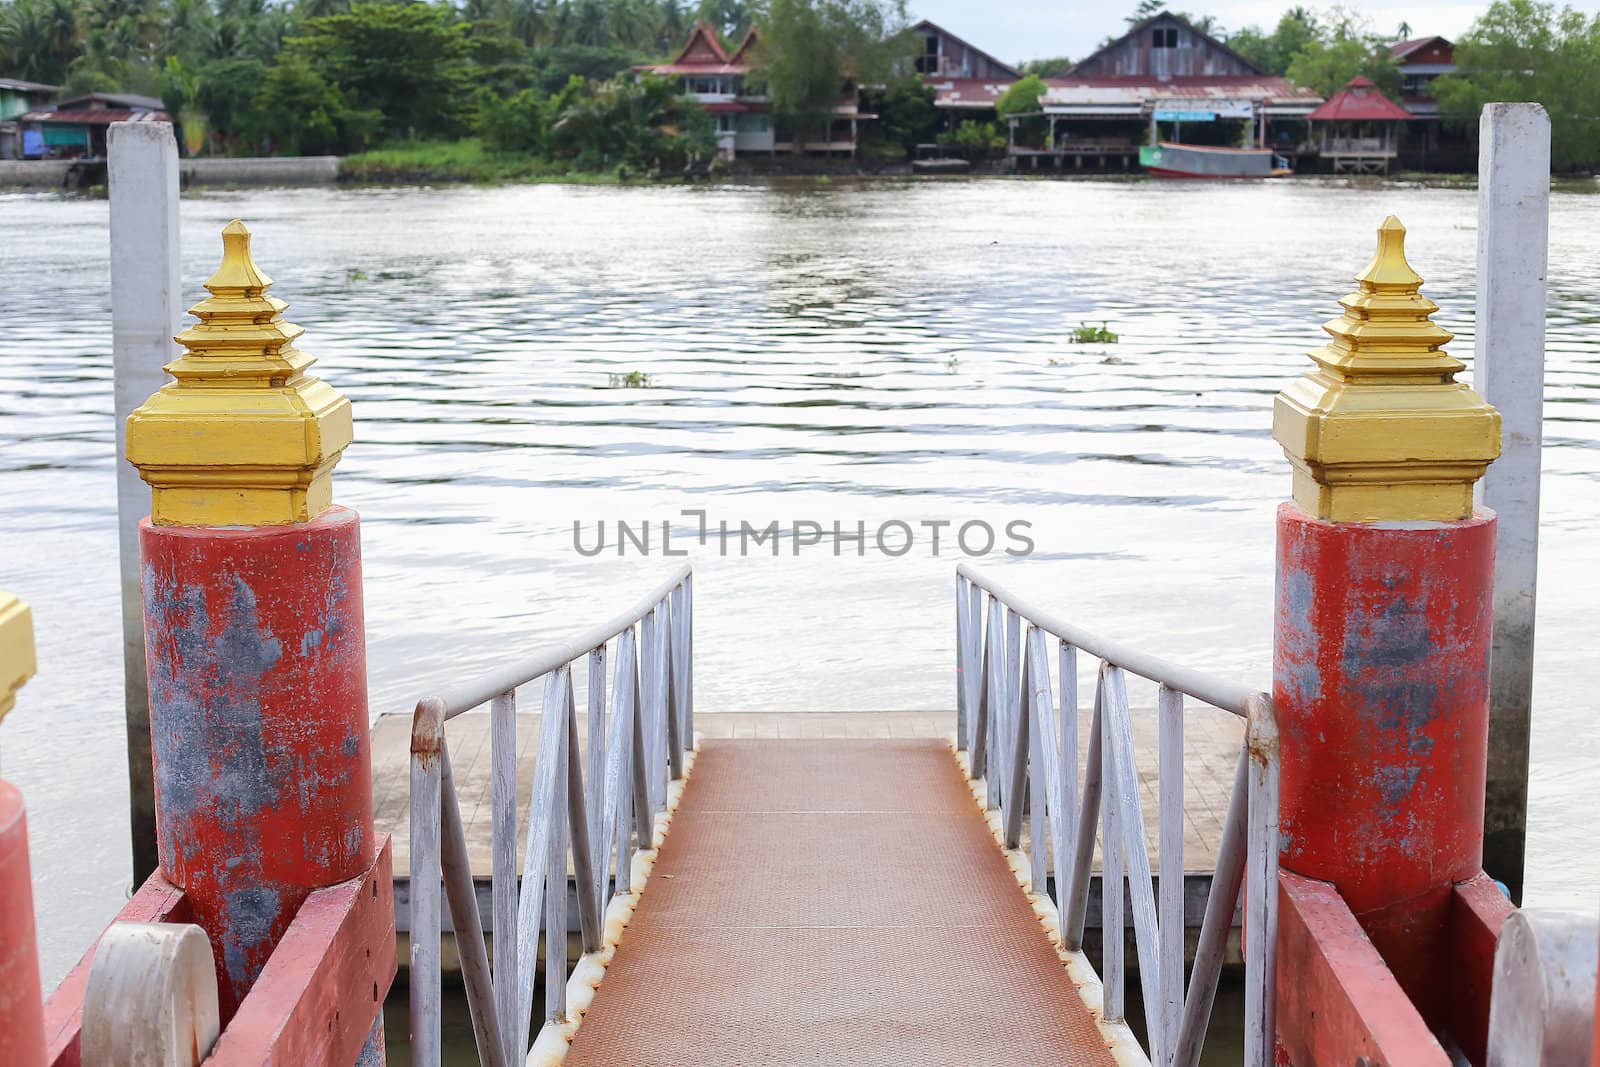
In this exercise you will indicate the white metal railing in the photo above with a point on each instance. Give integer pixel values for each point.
(1028, 760)
(1372, 146)
(600, 813)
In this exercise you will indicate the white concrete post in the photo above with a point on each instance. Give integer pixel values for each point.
(1513, 230)
(1541, 1013)
(146, 309)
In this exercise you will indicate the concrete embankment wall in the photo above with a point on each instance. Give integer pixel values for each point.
(34, 173)
(274, 170)
(281, 170)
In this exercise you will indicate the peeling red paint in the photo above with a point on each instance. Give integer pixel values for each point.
(21, 1008)
(1381, 688)
(256, 655)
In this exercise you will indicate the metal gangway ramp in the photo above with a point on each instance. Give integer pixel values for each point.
(834, 901)
(863, 900)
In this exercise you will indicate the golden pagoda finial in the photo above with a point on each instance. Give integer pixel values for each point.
(17, 661)
(243, 437)
(1381, 430)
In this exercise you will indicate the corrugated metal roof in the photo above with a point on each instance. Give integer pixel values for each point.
(1145, 89)
(967, 92)
(1131, 92)
(694, 68)
(126, 100)
(1401, 49)
(96, 116)
(21, 86)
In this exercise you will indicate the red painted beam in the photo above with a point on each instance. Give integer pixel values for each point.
(1477, 911)
(1337, 1000)
(157, 901)
(317, 997)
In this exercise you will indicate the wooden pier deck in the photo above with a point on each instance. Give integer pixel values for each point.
(1211, 747)
(833, 901)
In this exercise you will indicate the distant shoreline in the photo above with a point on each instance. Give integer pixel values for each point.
(385, 169)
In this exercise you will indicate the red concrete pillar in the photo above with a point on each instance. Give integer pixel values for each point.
(1381, 653)
(21, 1007)
(254, 636)
(1380, 678)
(258, 722)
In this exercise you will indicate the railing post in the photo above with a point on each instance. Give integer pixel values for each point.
(688, 658)
(503, 883)
(21, 1008)
(1384, 582)
(254, 629)
(425, 976)
(1169, 755)
(962, 724)
(1262, 805)
(1112, 928)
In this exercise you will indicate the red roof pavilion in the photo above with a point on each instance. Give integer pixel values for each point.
(1359, 101)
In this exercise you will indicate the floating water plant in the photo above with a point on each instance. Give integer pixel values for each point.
(1087, 334)
(634, 379)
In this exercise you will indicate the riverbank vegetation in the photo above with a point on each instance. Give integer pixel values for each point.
(510, 89)
(482, 88)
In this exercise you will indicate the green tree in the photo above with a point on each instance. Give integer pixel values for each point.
(671, 27)
(973, 139)
(553, 67)
(1149, 9)
(1326, 64)
(514, 123)
(907, 115)
(227, 94)
(408, 62)
(811, 50)
(38, 39)
(1273, 52)
(1050, 67)
(1021, 97)
(303, 113)
(639, 123)
(730, 18)
(1525, 50)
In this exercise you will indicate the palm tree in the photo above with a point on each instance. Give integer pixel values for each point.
(672, 26)
(588, 23)
(312, 9)
(730, 17)
(629, 24)
(38, 39)
(530, 21)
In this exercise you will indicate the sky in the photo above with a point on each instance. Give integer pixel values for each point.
(1017, 30)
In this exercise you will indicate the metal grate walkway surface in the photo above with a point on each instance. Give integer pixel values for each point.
(833, 901)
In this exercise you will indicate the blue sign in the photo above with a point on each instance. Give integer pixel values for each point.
(1164, 115)
(32, 143)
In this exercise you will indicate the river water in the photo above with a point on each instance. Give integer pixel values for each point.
(878, 353)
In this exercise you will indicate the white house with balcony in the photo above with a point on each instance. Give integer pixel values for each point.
(717, 80)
